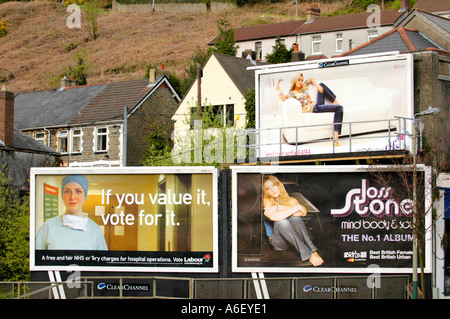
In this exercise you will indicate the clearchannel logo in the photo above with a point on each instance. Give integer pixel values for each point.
(307, 288)
(125, 287)
(328, 289)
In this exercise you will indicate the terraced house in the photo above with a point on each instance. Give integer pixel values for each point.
(318, 36)
(99, 125)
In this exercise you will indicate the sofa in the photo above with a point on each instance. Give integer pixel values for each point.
(362, 101)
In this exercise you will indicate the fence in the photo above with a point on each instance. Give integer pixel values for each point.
(345, 287)
(398, 133)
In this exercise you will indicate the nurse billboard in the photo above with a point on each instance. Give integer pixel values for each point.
(321, 219)
(127, 219)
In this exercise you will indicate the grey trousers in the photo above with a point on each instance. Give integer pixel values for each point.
(292, 230)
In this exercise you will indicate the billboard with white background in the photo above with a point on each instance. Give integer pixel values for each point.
(374, 91)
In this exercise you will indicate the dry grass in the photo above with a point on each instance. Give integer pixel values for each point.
(37, 47)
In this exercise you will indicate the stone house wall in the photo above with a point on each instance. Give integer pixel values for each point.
(155, 112)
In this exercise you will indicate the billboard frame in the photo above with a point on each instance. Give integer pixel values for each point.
(275, 145)
(207, 170)
(273, 169)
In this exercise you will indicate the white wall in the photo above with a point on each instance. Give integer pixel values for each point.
(216, 89)
(328, 45)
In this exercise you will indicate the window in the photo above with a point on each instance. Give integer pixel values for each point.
(316, 44)
(218, 115)
(229, 115)
(372, 34)
(76, 141)
(101, 139)
(40, 136)
(194, 116)
(258, 50)
(339, 42)
(62, 141)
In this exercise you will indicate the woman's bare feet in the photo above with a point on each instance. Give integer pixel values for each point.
(315, 259)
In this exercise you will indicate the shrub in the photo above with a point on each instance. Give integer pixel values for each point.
(3, 29)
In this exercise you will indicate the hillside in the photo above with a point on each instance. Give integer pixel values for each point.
(39, 44)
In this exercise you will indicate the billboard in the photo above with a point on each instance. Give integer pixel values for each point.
(152, 219)
(341, 105)
(324, 219)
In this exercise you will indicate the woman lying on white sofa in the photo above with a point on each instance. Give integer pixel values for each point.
(299, 91)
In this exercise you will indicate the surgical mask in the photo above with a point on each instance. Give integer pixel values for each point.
(75, 222)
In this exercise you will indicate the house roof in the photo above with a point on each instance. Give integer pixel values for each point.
(398, 39)
(24, 142)
(346, 22)
(318, 25)
(433, 6)
(51, 108)
(109, 104)
(80, 105)
(267, 30)
(438, 23)
(236, 68)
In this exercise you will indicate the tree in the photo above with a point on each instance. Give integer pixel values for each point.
(250, 109)
(280, 54)
(421, 188)
(91, 12)
(200, 56)
(159, 149)
(80, 70)
(14, 232)
(210, 142)
(225, 42)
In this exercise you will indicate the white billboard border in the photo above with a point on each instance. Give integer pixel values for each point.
(123, 171)
(353, 60)
(235, 170)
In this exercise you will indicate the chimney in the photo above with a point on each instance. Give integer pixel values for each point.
(68, 82)
(7, 117)
(312, 12)
(404, 5)
(297, 55)
(153, 74)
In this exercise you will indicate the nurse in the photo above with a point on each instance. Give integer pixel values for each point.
(74, 230)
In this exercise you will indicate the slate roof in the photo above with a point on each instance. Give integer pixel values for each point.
(236, 68)
(80, 105)
(398, 39)
(438, 23)
(318, 25)
(24, 142)
(51, 108)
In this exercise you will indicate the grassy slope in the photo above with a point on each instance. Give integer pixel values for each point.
(36, 49)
